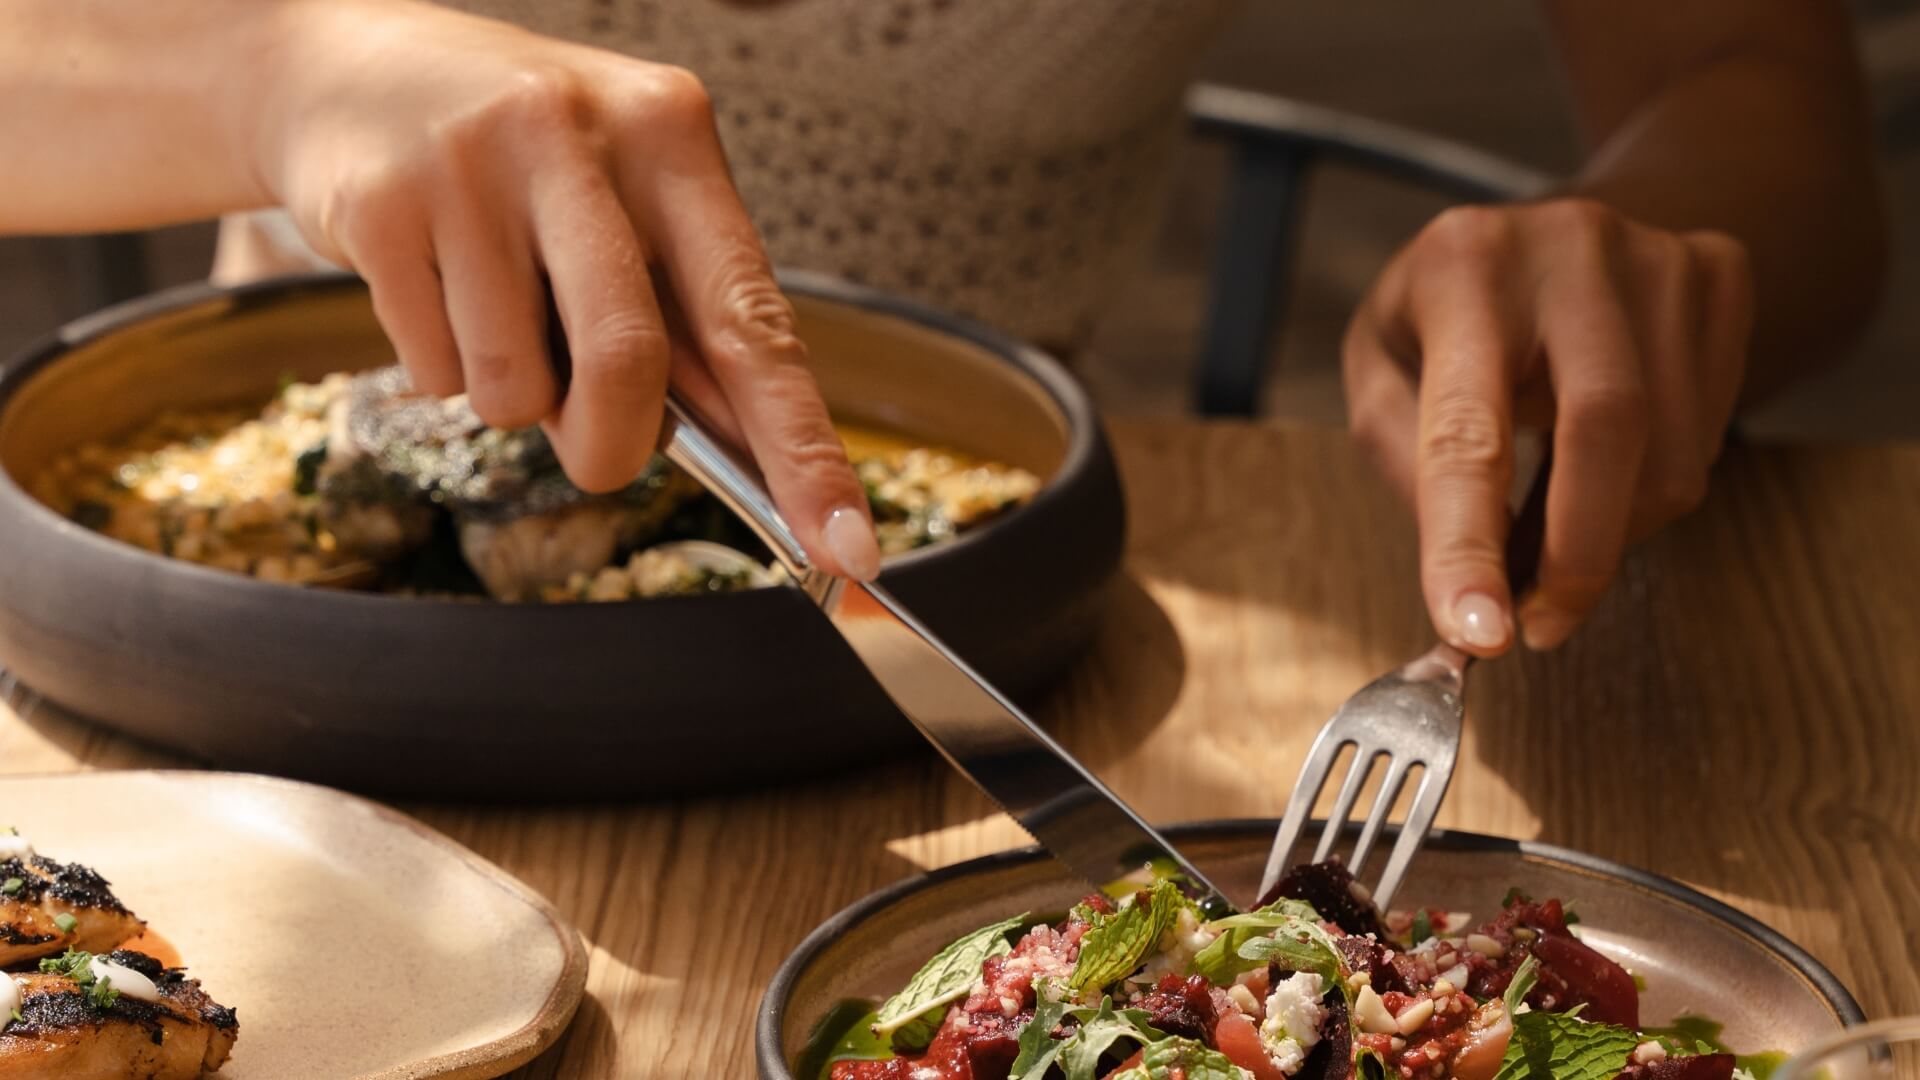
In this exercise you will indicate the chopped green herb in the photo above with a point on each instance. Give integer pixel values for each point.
(1221, 960)
(1515, 896)
(17, 1018)
(11, 885)
(78, 966)
(65, 922)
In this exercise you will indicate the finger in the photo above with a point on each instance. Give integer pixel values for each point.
(1726, 331)
(745, 332)
(497, 309)
(1383, 408)
(689, 375)
(608, 426)
(386, 239)
(1599, 443)
(1666, 290)
(1471, 344)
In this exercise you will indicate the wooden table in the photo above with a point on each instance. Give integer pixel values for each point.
(1742, 714)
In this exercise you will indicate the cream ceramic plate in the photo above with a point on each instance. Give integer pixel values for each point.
(353, 941)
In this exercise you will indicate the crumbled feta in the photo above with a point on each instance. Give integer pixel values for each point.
(1294, 1016)
(1649, 1052)
(1177, 947)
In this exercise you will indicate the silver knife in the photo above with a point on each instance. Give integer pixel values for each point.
(982, 734)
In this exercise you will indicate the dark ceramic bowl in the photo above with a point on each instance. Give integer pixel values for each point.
(451, 698)
(1697, 955)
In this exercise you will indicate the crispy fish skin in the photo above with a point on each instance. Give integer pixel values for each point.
(29, 916)
(60, 1034)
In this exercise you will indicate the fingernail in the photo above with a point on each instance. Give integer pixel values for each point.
(1544, 628)
(1478, 620)
(849, 536)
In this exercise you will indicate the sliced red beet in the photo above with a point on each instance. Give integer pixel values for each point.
(1369, 955)
(1330, 888)
(1182, 1006)
(1603, 985)
(1332, 1057)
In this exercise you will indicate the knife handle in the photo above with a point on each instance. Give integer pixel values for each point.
(691, 443)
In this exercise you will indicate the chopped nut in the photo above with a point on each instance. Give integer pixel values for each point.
(1486, 946)
(1415, 1016)
(1370, 1014)
(1243, 999)
(1442, 988)
(1359, 979)
(1525, 934)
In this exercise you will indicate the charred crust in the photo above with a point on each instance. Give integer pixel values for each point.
(12, 934)
(219, 1016)
(78, 886)
(138, 961)
(32, 884)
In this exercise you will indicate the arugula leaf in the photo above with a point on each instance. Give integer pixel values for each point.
(1038, 1048)
(1555, 1046)
(1422, 927)
(1116, 944)
(1524, 977)
(1099, 1030)
(910, 1018)
(1220, 961)
(1182, 1057)
(1298, 945)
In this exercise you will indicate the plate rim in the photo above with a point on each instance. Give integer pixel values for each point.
(490, 1059)
(773, 1003)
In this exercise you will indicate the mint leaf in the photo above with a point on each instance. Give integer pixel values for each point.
(1171, 1058)
(1116, 944)
(1555, 1046)
(909, 1019)
(1298, 945)
(1220, 961)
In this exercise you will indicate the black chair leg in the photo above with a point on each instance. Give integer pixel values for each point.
(114, 267)
(1250, 273)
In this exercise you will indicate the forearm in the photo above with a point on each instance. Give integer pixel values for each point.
(1780, 157)
(124, 115)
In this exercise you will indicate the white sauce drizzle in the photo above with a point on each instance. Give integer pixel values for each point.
(126, 980)
(14, 846)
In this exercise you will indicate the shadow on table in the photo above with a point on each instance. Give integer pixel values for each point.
(1126, 683)
(587, 1047)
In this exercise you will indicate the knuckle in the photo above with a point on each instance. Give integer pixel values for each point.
(623, 352)
(1465, 434)
(1471, 234)
(758, 326)
(1614, 410)
(674, 95)
(543, 98)
(1680, 491)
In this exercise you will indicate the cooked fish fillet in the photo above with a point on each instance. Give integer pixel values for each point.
(61, 1034)
(30, 914)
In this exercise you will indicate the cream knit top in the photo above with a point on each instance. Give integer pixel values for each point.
(1001, 158)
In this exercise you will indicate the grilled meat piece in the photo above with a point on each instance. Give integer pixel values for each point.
(63, 1032)
(523, 526)
(31, 912)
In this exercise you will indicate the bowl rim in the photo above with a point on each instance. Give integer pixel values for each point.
(1083, 424)
(771, 1017)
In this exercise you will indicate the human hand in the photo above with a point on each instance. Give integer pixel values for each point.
(464, 166)
(1629, 341)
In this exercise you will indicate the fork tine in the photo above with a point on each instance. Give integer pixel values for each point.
(1396, 778)
(1363, 760)
(1313, 777)
(1426, 803)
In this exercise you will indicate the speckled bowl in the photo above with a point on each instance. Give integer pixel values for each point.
(453, 698)
(1698, 955)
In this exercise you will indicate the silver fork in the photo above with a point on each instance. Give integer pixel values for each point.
(1410, 717)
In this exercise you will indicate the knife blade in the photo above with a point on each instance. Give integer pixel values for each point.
(982, 734)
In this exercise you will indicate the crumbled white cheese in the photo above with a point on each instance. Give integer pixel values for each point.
(1177, 947)
(1294, 1016)
(1649, 1052)
(14, 846)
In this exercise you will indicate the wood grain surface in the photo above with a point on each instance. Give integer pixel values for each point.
(1742, 714)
